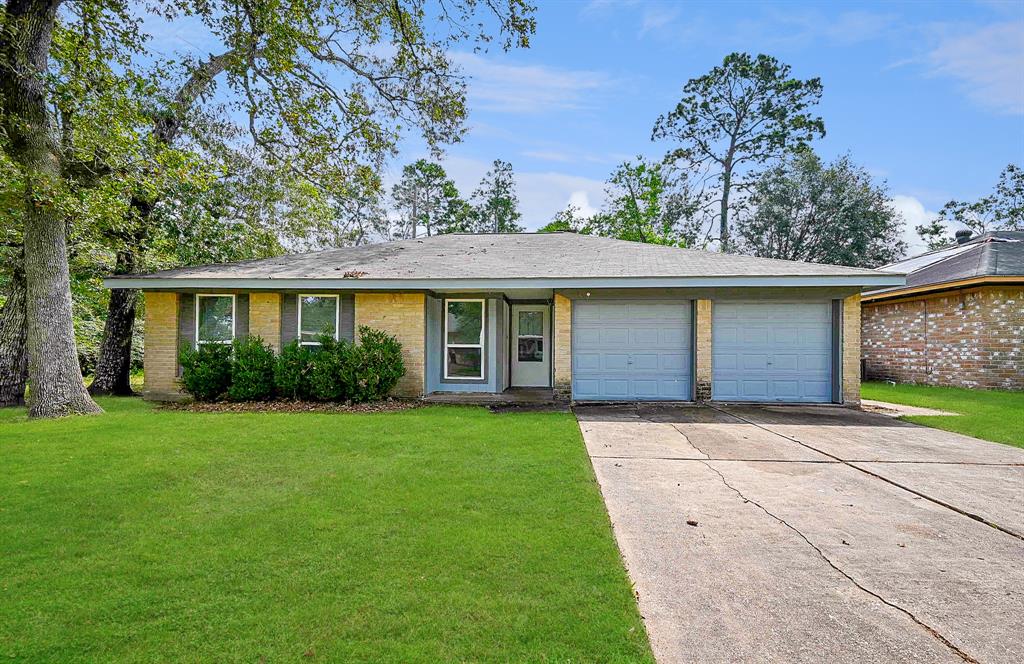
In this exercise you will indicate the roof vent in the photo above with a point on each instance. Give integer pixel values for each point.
(963, 235)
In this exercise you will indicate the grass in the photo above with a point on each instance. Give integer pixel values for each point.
(989, 414)
(434, 534)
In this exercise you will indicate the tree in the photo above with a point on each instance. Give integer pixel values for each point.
(568, 220)
(805, 210)
(456, 215)
(635, 210)
(1003, 209)
(13, 356)
(30, 131)
(421, 197)
(495, 202)
(745, 112)
(326, 90)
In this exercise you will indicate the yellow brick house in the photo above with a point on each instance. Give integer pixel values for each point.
(573, 316)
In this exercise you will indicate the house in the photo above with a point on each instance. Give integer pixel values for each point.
(958, 320)
(589, 318)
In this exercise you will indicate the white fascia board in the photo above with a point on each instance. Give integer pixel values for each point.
(182, 283)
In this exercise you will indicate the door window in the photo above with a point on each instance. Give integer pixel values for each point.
(531, 336)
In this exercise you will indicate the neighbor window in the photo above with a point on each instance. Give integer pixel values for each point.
(215, 319)
(318, 315)
(464, 339)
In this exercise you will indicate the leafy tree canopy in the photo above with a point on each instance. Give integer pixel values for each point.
(806, 210)
(745, 112)
(1003, 209)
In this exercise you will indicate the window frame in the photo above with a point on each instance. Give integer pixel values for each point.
(298, 316)
(483, 335)
(234, 314)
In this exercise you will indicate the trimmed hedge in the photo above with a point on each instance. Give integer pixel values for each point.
(252, 374)
(333, 371)
(206, 370)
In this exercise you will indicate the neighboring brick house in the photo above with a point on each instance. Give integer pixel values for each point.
(574, 316)
(958, 321)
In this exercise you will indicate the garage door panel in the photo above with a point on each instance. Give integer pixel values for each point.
(786, 362)
(672, 362)
(772, 351)
(586, 362)
(614, 362)
(645, 337)
(614, 336)
(644, 349)
(645, 362)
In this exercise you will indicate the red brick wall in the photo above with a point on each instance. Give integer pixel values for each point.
(969, 338)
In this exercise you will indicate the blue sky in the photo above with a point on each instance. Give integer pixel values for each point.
(928, 96)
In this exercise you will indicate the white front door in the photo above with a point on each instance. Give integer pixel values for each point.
(531, 345)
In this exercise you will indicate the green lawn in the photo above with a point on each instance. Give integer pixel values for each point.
(434, 534)
(988, 414)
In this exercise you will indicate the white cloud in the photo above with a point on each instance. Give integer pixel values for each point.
(657, 17)
(914, 214)
(528, 88)
(581, 201)
(989, 62)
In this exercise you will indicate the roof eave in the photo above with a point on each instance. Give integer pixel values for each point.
(938, 287)
(256, 284)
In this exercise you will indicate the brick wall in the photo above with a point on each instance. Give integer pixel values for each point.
(563, 347)
(851, 349)
(160, 359)
(971, 338)
(703, 351)
(403, 315)
(265, 318)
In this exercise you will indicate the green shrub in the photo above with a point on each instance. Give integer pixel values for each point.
(332, 370)
(291, 371)
(252, 374)
(378, 365)
(207, 370)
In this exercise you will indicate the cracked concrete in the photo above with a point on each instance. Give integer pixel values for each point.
(802, 556)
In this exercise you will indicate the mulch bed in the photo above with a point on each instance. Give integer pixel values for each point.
(283, 406)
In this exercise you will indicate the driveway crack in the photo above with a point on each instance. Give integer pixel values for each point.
(931, 630)
(850, 464)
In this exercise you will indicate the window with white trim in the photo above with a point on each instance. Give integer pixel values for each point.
(464, 339)
(215, 319)
(318, 315)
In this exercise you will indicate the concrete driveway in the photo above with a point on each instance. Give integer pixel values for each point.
(813, 534)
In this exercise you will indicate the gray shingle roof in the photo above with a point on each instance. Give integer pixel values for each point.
(505, 256)
(999, 253)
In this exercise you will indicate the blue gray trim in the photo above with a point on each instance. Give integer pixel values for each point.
(186, 319)
(478, 285)
(241, 315)
(434, 361)
(347, 317)
(289, 318)
(837, 351)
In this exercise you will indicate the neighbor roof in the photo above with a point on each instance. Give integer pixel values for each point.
(995, 256)
(504, 260)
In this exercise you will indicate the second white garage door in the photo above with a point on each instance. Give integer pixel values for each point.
(772, 351)
(631, 351)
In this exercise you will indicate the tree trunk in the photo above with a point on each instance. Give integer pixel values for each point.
(113, 368)
(723, 219)
(13, 357)
(55, 378)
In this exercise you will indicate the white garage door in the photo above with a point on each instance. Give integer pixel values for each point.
(631, 350)
(772, 351)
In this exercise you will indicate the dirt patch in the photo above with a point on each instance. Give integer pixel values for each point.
(283, 406)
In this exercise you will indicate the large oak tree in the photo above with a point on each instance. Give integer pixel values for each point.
(322, 91)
